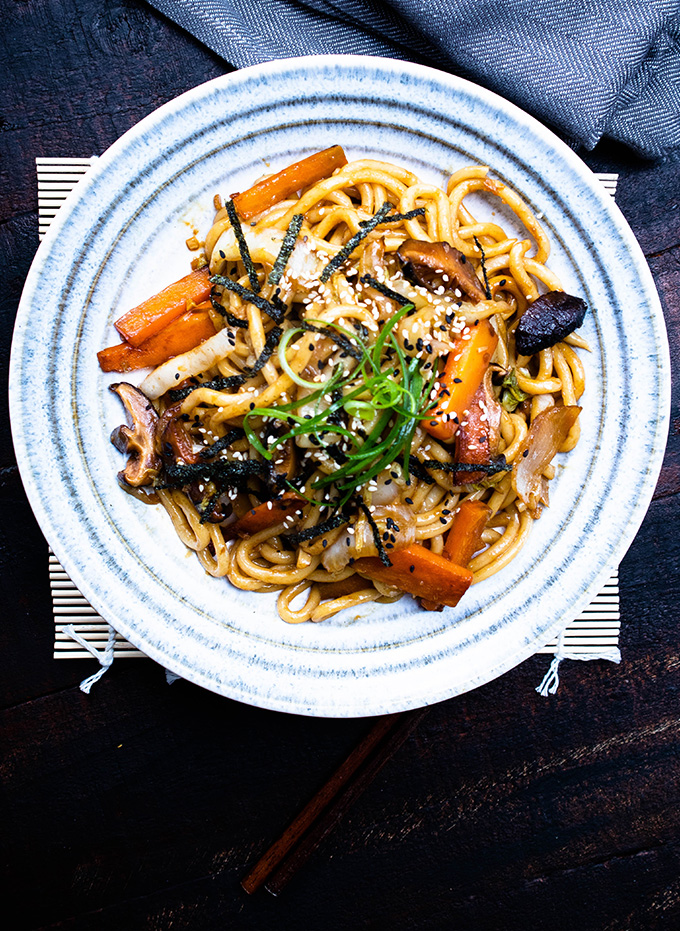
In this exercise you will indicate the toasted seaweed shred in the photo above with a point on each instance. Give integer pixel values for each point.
(250, 296)
(487, 289)
(490, 468)
(277, 302)
(415, 467)
(270, 344)
(207, 510)
(382, 552)
(342, 341)
(242, 245)
(411, 215)
(221, 383)
(388, 292)
(230, 471)
(224, 442)
(336, 454)
(227, 314)
(367, 226)
(286, 249)
(311, 533)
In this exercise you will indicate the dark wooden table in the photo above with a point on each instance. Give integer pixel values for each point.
(141, 805)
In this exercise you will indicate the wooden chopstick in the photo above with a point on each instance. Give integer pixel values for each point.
(320, 815)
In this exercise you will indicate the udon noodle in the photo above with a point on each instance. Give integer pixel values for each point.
(316, 436)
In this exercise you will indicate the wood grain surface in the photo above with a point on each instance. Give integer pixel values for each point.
(142, 805)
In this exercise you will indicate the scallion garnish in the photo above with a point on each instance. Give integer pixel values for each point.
(392, 399)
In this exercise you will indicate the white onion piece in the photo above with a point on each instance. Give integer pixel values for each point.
(303, 266)
(197, 360)
(387, 491)
(263, 245)
(361, 543)
(547, 433)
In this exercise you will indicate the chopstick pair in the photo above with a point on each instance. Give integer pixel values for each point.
(321, 814)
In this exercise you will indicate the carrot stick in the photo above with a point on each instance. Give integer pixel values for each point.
(465, 534)
(187, 331)
(421, 573)
(266, 515)
(464, 372)
(474, 438)
(278, 187)
(152, 315)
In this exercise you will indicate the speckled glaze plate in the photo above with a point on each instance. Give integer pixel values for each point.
(122, 237)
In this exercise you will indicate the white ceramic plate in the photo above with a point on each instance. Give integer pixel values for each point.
(121, 238)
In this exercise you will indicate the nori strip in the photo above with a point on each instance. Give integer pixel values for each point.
(382, 552)
(336, 454)
(337, 338)
(337, 520)
(242, 245)
(415, 467)
(260, 302)
(227, 314)
(221, 383)
(277, 302)
(286, 249)
(228, 382)
(223, 443)
(270, 344)
(207, 511)
(411, 215)
(231, 471)
(487, 289)
(366, 227)
(495, 465)
(388, 292)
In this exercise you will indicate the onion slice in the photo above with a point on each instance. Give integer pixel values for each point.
(546, 434)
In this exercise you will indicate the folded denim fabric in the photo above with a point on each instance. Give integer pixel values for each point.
(587, 68)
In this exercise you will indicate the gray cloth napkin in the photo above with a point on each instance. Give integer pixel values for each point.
(587, 68)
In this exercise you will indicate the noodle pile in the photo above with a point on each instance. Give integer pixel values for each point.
(312, 400)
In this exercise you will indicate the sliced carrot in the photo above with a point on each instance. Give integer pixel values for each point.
(464, 372)
(152, 315)
(476, 439)
(181, 335)
(421, 573)
(278, 187)
(465, 533)
(266, 515)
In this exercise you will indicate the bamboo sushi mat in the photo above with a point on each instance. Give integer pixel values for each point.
(594, 632)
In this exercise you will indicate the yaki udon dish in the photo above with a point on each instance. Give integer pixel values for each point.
(359, 390)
